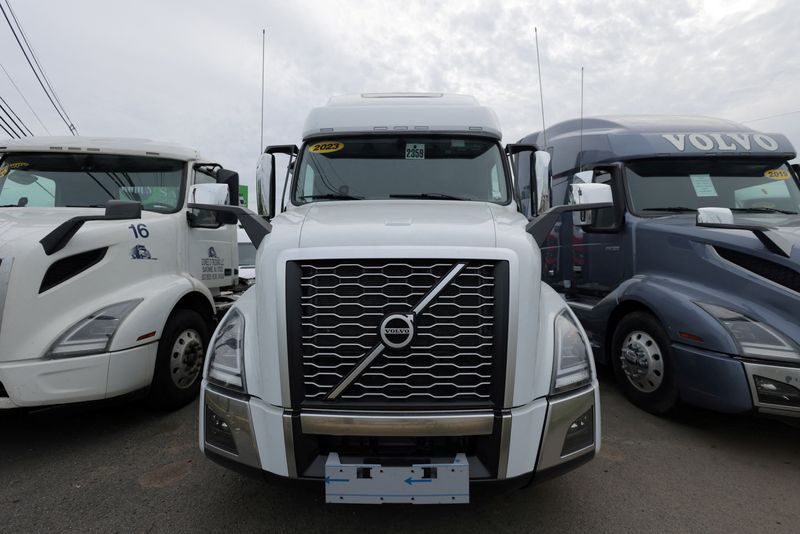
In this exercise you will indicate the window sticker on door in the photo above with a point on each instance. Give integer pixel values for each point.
(326, 147)
(415, 151)
(703, 186)
(777, 174)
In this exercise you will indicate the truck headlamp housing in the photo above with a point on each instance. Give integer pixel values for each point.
(571, 368)
(226, 360)
(754, 338)
(92, 334)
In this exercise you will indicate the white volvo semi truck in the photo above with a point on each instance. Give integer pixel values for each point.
(107, 280)
(400, 345)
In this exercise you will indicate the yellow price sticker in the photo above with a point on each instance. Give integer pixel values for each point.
(326, 147)
(777, 174)
(18, 165)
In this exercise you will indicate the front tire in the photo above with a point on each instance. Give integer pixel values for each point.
(641, 354)
(179, 364)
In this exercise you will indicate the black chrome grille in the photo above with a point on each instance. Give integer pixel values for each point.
(770, 270)
(453, 357)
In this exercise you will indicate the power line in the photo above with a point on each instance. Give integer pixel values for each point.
(38, 78)
(36, 60)
(774, 116)
(10, 79)
(6, 131)
(21, 126)
(12, 133)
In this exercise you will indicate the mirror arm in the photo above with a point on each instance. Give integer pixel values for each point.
(254, 226)
(116, 210)
(541, 226)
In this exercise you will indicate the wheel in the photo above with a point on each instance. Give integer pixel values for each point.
(179, 364)
(641, 355)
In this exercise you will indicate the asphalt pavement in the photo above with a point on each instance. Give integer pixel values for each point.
(127, 469)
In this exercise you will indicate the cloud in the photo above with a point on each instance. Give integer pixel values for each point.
(190, 71)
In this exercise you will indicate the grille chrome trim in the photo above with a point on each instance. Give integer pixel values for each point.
(393, 424)
(334, 322)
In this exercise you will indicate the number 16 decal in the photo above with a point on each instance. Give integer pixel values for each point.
(140, 230)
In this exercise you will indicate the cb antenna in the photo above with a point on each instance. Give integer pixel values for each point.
(541, 93)
(263, 55)
(580, 153)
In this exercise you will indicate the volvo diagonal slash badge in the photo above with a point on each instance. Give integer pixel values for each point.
(396, 331)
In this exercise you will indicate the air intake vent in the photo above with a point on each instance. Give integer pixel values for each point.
(775, 272)
(66, 268)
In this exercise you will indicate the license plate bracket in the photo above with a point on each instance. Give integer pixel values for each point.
(434, 483)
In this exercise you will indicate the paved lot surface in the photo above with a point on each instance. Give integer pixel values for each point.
(125, 469)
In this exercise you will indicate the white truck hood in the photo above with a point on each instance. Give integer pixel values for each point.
(398, 223)
(29, 225)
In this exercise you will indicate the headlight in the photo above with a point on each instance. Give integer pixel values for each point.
(93, 334)
(225, 366)
(755, 339)
(571, 368)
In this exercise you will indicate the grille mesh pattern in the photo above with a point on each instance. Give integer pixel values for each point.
(343, 303)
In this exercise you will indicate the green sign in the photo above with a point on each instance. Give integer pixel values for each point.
(243, 196)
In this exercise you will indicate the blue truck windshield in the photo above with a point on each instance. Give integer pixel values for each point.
(81, 180)
(393, 167)
(674, 185)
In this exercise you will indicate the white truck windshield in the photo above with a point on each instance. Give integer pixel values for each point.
(676, 185)
(394, 167)
(89, 180)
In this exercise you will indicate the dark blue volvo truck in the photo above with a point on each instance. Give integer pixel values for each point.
(690, 286)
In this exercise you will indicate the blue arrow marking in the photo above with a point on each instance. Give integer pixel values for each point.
(411, 481)
(328, 479)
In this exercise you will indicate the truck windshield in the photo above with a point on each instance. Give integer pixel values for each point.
(389, 167)
(89, 180)
(683, 185)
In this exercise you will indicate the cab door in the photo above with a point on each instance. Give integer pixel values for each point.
(213, 254)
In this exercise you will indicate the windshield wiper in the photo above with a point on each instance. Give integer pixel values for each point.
(85, 206)
(11, 206)
(676, 209)
(439, 196)
(330, 196)
(763, 210)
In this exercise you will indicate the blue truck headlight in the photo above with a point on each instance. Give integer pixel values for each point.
(754, 338)
(92, 334)
(571, 368)
(226, 361)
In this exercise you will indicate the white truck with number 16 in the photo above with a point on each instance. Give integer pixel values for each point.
(109, 284)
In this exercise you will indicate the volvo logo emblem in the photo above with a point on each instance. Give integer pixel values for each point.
(397, 330)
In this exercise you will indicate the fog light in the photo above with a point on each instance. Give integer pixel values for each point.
(218, 432)
(774, 392)
(580, 433)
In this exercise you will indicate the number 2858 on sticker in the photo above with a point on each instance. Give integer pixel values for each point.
(415, 151)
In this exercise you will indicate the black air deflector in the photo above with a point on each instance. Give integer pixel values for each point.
(66, 268)
(775, 272)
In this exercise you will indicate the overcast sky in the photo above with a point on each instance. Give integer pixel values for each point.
(190, 71)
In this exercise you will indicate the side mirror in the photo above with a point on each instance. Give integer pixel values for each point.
(265, 178)
(210, 194)
(217, 194)
(586, 193)
(710, 215)
(542, 176)
(532, 177)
